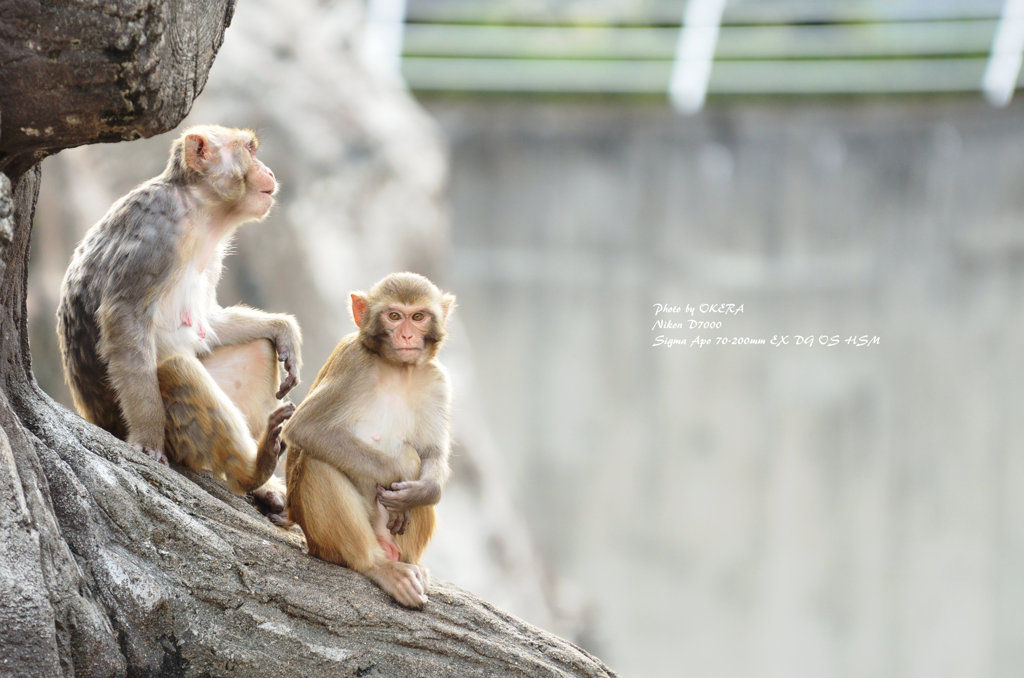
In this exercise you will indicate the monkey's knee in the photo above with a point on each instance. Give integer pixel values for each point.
(200, 429)
(347, 545)
(175, 374)
(183, 381)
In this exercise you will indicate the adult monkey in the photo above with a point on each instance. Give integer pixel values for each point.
(369, 446)
(148, 353)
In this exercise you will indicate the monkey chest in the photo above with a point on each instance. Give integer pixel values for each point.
(183, 311)
(387, 421)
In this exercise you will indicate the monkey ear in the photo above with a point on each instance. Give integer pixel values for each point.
(447, 304)
(198, 152)
(359, 306)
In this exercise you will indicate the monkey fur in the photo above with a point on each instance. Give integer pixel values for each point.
(148, 353)
(369, 446)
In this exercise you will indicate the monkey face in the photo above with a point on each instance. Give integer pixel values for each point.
(259, 182)
(402, 319)
(222, 164)
(263, 187)
(407, 328)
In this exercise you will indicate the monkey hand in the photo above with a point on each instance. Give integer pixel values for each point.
(398, 522)
(408, 494)
(275, 422)
(287, 346)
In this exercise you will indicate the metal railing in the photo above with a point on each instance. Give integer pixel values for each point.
(712, 47)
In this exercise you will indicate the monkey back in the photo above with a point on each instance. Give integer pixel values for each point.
(116, 273)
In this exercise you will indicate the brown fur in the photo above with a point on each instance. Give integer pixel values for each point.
(341, 530)
(369, 446)
(205, 430)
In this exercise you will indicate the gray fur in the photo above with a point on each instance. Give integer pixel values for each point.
(118, 267)
(140, 254)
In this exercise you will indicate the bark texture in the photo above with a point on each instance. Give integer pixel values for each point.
(81, 71)
(110, 564)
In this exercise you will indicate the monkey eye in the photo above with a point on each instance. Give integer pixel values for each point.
(419, 316)
(251, 146)
(395, 316)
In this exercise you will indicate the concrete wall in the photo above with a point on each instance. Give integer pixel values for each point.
(745, 509)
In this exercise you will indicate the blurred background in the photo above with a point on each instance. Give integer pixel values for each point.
(832, 485)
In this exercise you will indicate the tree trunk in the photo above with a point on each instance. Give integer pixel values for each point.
(111, 564)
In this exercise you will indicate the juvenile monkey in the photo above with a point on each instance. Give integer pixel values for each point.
(148, 353)
(368, 447)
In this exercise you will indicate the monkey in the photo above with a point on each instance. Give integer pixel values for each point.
(148, 354)
(368, 447)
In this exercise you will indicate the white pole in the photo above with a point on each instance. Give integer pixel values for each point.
(1004, 61)
(385, 33)
(695, 52)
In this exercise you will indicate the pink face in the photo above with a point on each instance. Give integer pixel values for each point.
(219, 155)
(261, 178)
(407, 326)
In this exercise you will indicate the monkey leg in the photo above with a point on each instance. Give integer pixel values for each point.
(338, 523)
(406, 547)
(422, 520)
(268, 490)
(96, 401)
(379, 523)
(204, 429)
(249, 375)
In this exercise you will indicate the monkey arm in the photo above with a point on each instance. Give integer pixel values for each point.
(126, 261)
(426, 490)
(342, 450)
(322, 433)
(435, 463)
(241, 324)
(127, 344)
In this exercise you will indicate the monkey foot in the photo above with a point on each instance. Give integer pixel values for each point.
(154, 454)
(423, 575)
(280, 519)
(402, 581)
(269, 500)
(390, 549)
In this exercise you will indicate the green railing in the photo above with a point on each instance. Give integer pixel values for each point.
(786, 47)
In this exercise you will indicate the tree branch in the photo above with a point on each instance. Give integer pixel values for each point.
(77, 72)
